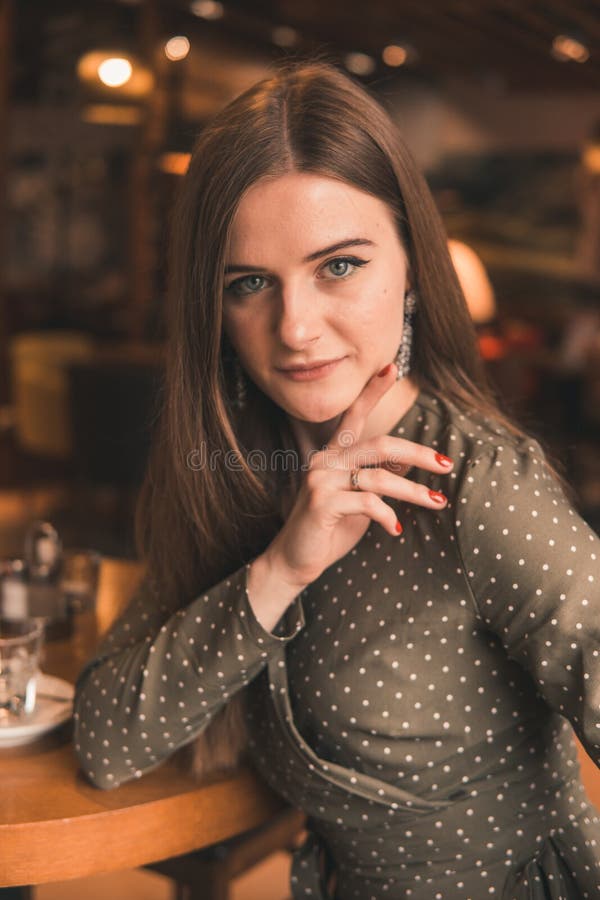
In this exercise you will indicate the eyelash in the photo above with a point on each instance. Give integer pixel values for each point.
(234, 286)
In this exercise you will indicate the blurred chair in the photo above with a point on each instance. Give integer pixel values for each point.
(112, 401)
(112, 405)
(205, 873)
(208, 874)
(39, 363)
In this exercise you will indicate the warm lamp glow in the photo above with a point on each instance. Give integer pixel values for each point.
(591, 158)
(111, 114)
(174, 163)
(115, 71)
(566, 47)
(177, 48)
(394, 55)
(474, 282)
(359, 63)
(207, 9)
(110, 68)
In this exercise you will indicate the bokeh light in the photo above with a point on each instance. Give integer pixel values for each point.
(115, 71)
(359, 63)
(565, 48)
(207, 9)
(394, 55)
(284, 36)
(177, 48)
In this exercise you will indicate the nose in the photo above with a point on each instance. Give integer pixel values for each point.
(297, 317)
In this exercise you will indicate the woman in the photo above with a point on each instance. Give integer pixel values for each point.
(403, 684)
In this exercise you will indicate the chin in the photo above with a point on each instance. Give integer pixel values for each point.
(317, 414)
(315, 406)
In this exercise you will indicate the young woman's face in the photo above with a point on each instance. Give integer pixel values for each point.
(315, 271)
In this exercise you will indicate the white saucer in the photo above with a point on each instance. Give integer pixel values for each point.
(48, 713)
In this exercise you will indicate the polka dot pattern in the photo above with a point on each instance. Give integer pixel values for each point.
(417, 700)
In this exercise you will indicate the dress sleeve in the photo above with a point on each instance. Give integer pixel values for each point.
(160, 675)
(533, 568)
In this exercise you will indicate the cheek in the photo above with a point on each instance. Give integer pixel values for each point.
(379, 306)
(376, 321)
(247, 335)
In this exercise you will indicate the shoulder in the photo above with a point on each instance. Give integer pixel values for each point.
(505, 496)
(488, 456)
(474, 437)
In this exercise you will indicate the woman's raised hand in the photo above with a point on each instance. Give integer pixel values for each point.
(329, 517)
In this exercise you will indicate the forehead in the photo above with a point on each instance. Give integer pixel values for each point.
(308, 210)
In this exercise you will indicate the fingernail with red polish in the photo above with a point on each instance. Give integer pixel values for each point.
(443, 460)
(398, 527)
(384, 371)
(437, 496)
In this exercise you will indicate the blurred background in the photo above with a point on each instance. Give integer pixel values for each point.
(100, 103)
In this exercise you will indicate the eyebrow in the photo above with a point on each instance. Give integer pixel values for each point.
(340, 245)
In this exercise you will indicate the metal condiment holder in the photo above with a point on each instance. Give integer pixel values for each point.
(31, 588)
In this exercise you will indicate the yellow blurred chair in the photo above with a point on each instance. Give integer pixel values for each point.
(39, 363)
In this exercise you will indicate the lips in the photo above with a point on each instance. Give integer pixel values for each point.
(314, 372)
(314, 365)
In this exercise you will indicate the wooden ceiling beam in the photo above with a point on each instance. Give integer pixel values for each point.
(572, 13)
(486, 45)
(488, 36)
(453, 37)
(587, 73)
(432, 36)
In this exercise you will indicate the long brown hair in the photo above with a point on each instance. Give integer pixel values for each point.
(196, 525)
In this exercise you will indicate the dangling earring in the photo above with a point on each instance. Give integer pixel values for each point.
(240, 384)
(403, 356)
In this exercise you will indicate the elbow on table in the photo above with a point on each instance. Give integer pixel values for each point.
(95, 771)
(94, 767)
(100, 780)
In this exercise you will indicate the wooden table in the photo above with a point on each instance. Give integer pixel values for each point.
(55, 826)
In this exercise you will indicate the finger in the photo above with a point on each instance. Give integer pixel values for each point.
(347, 503)
(397, 468)
(386, 484)
(388, 451)
(353, 421)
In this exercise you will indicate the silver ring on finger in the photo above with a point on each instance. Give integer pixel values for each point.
(354, 485)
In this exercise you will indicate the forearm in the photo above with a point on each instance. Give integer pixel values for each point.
(270, 591)
(158, 680)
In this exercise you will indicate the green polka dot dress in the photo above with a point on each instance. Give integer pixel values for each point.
(417, 700)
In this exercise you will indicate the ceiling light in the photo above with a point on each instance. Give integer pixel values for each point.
(115, 71)
(359, 63)
(284, 36)
(177, 48)
(208, 9)
(566, 47)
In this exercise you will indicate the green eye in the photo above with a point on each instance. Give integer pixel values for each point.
(249, 284)
(339, 266)
(344, 266)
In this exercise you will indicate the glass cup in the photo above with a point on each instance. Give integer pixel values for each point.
(20, 647)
